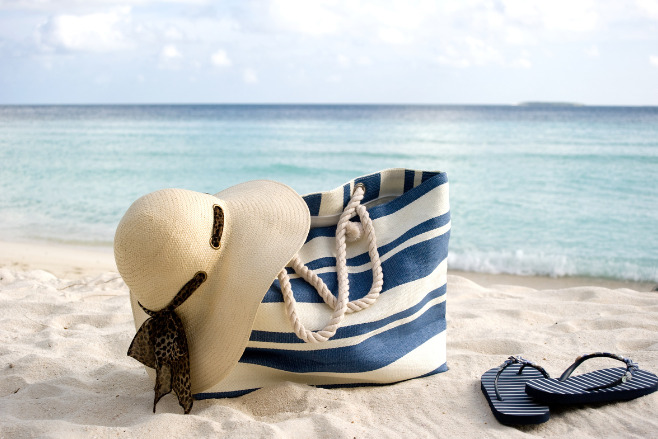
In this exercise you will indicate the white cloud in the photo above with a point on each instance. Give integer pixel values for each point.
(394, 35)
(653, 60)
(518, 37)
(470, 52)
(220, 59)
(249, 76)
(172, 33)
(364, 60)
(85, 5)
(343, 61)
(97, 32)
(521, 63)
(649, 7)
(593, 51)
(170, 57)
(554, 15)
(482, 53)
(170, 52)
(309, 17)
(453, 62)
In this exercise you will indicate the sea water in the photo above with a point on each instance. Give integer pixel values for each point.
(534, 190)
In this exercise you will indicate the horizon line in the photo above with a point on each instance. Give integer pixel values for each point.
(526, 104)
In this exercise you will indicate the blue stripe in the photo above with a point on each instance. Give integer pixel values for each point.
(346, 195)
(329, 231)
(426, 176)
(373, 353)
(209, 395)
(426, 226)
(414, 262)
(352, 330)
(409, 177)
(408, 197)
(313, 201)
(373, 185)
(442, 368)
(214, 395)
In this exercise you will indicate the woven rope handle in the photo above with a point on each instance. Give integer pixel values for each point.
(340, 305)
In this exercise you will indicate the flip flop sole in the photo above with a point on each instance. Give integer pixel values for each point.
(573, 390)
(516, 407)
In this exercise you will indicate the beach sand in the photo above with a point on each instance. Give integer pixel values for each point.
(65, 326)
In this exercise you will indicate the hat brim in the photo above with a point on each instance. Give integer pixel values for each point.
(265, 225)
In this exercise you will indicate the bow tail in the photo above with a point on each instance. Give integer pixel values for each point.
(181, 384)
(163, 379)
(141, 348)
(176, 377)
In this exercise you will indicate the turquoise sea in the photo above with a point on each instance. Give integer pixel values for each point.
(534, 190)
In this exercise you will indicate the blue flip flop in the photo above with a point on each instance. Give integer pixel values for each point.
(504, 388)
(605, 385)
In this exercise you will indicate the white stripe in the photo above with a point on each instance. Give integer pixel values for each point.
(418, 177)
(424, 359)
(271, 317)
(348, 341)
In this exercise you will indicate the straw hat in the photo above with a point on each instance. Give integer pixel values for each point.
(164, 239)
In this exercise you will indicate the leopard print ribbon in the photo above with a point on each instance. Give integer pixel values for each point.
(161, 344)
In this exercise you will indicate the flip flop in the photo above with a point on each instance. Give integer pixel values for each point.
(605, 385)
(504, 388)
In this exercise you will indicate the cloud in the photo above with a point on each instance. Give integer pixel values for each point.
(470, 52)
(84, 5)
(249, 76)
(593, 51)
(521, 63)
(170, 57)
(220, 59)
(343, 61)
(653, 60)
(170, 52)
(394, 35)
(556, 15)
(308, 17)
(649, 7)
(97, 32)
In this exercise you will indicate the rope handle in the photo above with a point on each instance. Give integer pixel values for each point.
(340, 305)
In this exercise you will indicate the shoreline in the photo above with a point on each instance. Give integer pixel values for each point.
(76, 261)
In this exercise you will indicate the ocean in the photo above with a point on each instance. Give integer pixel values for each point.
(555, 190)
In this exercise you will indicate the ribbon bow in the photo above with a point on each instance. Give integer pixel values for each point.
(161, 344)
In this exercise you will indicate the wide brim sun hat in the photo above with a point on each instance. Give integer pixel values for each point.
(166, 237)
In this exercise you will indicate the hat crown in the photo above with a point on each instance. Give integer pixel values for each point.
(163, 239)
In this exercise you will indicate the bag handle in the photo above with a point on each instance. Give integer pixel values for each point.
(340, 305)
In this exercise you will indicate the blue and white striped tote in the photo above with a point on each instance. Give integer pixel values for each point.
(363, 302)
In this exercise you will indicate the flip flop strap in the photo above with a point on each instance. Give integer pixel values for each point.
(631, 367)
(516, 360)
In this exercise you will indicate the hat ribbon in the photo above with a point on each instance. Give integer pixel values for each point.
(161, 344)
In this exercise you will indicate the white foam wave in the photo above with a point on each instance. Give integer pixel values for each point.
(523, 263)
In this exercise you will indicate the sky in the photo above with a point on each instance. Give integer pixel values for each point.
(595, 52)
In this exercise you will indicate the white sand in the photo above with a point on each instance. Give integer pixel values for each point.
(64, 370)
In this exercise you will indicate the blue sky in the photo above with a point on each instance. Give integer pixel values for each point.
(598, 52)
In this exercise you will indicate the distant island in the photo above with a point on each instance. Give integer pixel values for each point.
(550, 104)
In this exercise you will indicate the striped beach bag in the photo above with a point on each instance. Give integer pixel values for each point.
(363, 302)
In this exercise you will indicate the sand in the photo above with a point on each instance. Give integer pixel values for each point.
(65, 325)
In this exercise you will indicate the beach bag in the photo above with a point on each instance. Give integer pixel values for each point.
(364, 300)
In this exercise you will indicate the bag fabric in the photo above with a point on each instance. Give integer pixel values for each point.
(402, 335)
